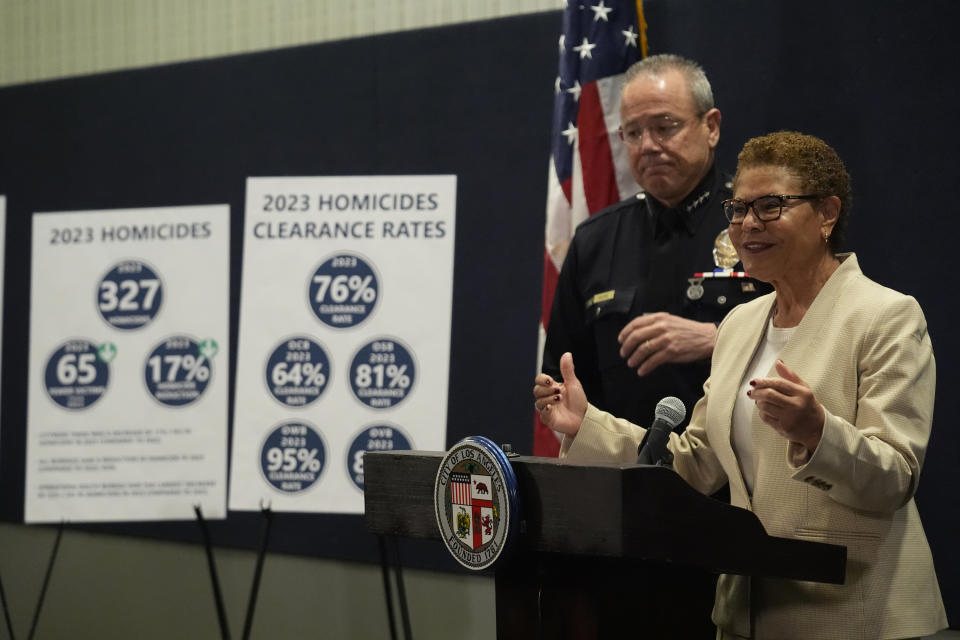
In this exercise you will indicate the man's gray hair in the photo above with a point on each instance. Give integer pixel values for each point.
(662, 63)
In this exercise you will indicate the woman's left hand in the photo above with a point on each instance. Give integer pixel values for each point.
(788, 405)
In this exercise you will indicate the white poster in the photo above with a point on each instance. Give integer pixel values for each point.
(127, 394)
(344, 339)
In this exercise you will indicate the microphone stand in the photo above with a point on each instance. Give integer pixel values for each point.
(666, 460)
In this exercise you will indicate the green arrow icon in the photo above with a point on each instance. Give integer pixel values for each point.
(107, 352)
(208, 348)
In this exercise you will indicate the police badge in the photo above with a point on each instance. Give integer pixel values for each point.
(476, 502)
(724, 254)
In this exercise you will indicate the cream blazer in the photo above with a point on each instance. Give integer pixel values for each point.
(865, 352)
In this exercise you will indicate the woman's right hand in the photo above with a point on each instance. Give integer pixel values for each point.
(562, 405)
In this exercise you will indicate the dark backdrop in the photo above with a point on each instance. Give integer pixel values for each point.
(871, 78)
(473, 100)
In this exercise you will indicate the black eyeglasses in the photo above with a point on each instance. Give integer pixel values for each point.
(767, 208)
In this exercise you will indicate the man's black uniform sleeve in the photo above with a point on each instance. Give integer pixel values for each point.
(567, 331)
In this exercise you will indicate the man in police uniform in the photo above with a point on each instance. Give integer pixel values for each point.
(646, 280)
(629, 304)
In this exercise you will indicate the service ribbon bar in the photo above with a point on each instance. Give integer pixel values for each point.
(721, 274)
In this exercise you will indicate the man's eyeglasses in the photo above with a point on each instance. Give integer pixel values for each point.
(767, 208)
(661, 129)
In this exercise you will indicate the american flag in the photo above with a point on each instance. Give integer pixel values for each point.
(588, 164)
(460, 488)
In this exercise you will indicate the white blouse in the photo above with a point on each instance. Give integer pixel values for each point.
(765, 356)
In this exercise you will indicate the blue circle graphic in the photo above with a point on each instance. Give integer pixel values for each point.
(129, 295)
(78, 372)
(343, 291)
(293, 457)
(298, 371)
(178, 371)
(382, 373)
(379, 437)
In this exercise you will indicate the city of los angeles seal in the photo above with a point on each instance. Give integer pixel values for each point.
(476, 503)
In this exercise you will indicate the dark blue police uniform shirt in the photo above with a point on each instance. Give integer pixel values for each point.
(637, 257)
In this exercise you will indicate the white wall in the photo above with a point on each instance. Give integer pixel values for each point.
(44, 39)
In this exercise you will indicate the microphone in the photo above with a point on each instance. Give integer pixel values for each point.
(669, 413)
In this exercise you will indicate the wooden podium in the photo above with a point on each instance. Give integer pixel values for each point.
(594, 542)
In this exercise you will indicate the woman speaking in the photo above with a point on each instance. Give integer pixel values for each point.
(817, 411)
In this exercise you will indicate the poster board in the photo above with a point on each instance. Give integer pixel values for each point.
(344, 347)
(127, 391)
